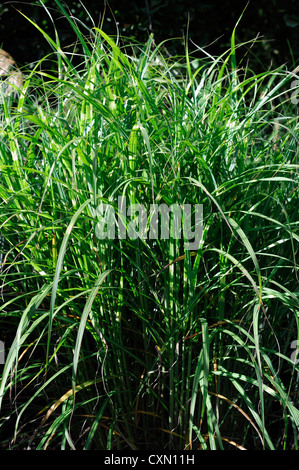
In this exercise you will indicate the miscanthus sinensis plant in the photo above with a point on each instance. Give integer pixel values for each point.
(138, 343)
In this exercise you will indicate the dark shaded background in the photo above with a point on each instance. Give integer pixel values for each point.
(210, 22)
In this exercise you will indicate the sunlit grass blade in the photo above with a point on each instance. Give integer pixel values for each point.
(82, 325)
(59, 266)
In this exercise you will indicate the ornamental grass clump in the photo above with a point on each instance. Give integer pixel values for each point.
(118, 340)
